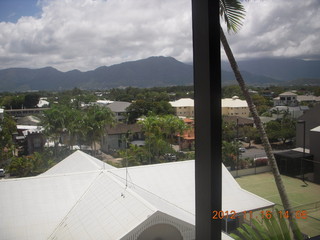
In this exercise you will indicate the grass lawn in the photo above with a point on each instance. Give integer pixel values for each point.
(264, 186)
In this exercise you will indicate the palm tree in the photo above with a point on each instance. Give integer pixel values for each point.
(233, 12)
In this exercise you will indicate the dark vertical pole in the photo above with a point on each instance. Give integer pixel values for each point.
(304, 148)
(237, 145)
(207, 85)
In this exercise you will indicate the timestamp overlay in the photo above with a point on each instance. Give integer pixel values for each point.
(261, 214)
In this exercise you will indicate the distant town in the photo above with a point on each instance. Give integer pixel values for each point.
(135, 125)
(46, 133)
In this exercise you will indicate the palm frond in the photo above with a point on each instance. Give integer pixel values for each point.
(233, 12)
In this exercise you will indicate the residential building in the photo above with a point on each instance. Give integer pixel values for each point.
(286, 99)
(312, 120)
(119, 109)
(31, 138)
(186, 140)
(308, 99)
(82, 197)
(119, 136)
(25, 111)
(235, 107)
(295, 112)
(241, 121)
(29, 120)
(43, 103)
(184, 107)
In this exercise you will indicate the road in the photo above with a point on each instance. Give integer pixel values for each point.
(256, 151)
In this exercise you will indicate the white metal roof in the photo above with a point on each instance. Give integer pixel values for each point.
(175, 183)
(77, 162)
(316, 129)
(288, 94)
(183, 102)
(29, 127)
(84, 198)
(233, 102)
(31, 208)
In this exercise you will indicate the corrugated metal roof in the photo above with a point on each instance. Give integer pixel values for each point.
(183, 102)
(84, 198)
(77, 162)
(233, 102)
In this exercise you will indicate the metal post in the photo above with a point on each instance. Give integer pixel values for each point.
(207, 86)
(237, 145)
(304, 146)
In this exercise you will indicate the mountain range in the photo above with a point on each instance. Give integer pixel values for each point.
(157, 71)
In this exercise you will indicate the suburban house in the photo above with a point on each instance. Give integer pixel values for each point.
(184, 107)
(308, 99)
(84, 198)
(119, 109)
(187, 139)
(241, 121)
(25, 111)
(119, 136)
(286, 99)
(295, 112)
(235, 107)
(31, 138)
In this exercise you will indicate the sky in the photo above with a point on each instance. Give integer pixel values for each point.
(86, 34)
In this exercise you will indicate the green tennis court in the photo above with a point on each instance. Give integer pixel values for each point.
(302, 197)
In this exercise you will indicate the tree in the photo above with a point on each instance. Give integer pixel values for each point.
(229, 153)
(232, 11)
(143, 107)
(249, 133)
(54, 122)
(7, 128)
(282, 129)
(95, 120)
(159, 132)
(31, 100)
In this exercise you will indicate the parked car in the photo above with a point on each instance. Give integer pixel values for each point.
(242, 150)
(2, 172)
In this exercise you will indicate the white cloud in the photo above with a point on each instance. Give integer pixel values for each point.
(279, 29)
(85, 34)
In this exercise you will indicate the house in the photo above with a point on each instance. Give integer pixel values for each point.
(295, 112)
(240, 120)
(25, 111)
(31, 138)
(119, 136)
(187, 139)
(29, 120)
(312, 120)
(286, 99)
(84, 198)
(184, 107)
(235, 107)
(119, 109)
(308, 99)
(43, 103)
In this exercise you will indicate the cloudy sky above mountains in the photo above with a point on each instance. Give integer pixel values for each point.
(86, 34)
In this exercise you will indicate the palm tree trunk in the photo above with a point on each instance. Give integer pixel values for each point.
(263, 135)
